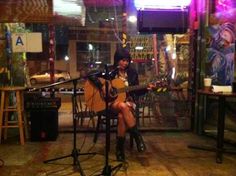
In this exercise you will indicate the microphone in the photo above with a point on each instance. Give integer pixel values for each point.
(95, 73)
(110, 75)
(113, 72)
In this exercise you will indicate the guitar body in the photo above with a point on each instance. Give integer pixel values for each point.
(93, 98)
(95, 101)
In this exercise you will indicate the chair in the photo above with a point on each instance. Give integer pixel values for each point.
(83, 111)
(102, 121)
(12, 101)
(146, 107)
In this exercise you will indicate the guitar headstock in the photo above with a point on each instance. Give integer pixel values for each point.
(161, 84)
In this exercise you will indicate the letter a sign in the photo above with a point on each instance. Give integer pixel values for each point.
(19, 42)
(27, 42)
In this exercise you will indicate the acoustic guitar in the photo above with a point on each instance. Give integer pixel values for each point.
(95, 100)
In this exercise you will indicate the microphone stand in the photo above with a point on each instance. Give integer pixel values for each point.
(107, 170)
(75, 152)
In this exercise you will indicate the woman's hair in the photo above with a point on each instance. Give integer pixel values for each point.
(121, 53)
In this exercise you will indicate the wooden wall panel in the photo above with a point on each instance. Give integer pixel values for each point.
(26, 11)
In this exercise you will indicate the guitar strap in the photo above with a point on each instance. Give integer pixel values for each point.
(96, 82)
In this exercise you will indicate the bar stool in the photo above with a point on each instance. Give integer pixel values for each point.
(17, 106)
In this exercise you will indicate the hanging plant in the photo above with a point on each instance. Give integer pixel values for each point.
(3, 58)
(12, 64)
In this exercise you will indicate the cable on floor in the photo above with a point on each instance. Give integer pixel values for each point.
(1, 163)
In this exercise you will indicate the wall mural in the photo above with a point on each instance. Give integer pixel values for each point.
(221, 48)
(221, 59)
(221, 53)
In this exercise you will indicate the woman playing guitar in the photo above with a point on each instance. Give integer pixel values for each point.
(126, 118)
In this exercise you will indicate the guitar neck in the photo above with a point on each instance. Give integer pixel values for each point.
(131, 88)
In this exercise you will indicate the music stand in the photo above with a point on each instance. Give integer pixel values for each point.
(75, 152)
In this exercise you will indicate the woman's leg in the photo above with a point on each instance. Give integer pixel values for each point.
(130, 122)
(123, 120)
(121, 130)
(121, 127)
(138, 139)
(126, 112)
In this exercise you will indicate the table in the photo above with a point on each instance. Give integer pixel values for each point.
(219, 149)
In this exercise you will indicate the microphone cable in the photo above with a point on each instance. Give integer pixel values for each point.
(1, 163)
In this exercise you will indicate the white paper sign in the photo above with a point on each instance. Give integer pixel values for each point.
(27, 42)
(221, 88)
(34, 42)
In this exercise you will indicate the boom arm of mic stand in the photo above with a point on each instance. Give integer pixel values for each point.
(55, 84)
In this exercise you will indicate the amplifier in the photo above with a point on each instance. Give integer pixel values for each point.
(44, 124)
(43, 112)
(43, 103)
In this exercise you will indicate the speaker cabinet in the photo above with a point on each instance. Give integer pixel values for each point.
(44, 124)
(163, 21)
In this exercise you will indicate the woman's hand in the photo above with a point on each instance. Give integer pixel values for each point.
(131, 105)
(151, 86)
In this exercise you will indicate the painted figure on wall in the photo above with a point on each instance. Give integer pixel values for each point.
(221, 54)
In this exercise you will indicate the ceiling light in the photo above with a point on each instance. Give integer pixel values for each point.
(90, 46)
(98, 62)
(174, 56)
(132, 19)
(139, 47)
(66, 58)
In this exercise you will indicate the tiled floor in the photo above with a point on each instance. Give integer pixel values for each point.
(167, 155)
